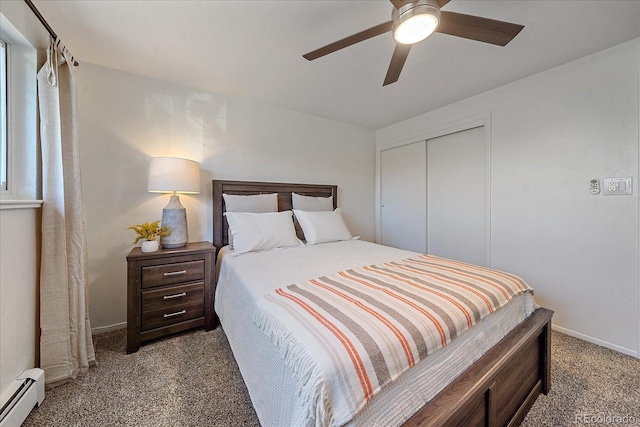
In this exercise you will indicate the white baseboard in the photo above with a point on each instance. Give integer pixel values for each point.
(103, 329)
(22, 395)
(601, 343)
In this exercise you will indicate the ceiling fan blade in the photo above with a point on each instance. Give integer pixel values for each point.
(348, 41)
(443, 2)
(476, 28)
(398, 59)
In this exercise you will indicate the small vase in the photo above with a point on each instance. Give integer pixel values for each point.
(149, 246)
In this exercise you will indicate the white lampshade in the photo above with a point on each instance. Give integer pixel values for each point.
(169, 174)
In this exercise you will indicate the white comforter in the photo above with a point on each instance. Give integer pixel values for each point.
(274, 392)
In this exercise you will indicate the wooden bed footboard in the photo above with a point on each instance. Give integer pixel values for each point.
(499, 388)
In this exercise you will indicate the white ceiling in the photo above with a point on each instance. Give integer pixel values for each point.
(253, 49)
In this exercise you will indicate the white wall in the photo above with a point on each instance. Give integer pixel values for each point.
(551, 134)
(125, 119)
(18, 299)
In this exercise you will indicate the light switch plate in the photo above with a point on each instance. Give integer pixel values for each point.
(617, 186)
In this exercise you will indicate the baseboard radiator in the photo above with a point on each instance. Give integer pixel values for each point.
(22, 396)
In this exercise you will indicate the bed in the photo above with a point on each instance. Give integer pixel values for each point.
(489, 375)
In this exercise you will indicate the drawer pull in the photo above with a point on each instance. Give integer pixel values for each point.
(181, 294)
(175, 273)
(177, 313)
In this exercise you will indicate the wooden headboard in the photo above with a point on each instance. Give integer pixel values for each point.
(246, 188)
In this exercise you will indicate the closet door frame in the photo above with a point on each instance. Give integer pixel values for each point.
(432, 132)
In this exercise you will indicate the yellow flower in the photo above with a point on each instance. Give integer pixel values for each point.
(149, 231)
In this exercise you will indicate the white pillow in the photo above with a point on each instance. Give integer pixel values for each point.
(311, 203)
(321, 227)
(257, 203)
(261, 231)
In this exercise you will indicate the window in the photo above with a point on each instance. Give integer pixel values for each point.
(18, 116)
(4, 111)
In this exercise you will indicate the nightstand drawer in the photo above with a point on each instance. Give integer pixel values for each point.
(168, 274)
(167, 316)
(171, 296)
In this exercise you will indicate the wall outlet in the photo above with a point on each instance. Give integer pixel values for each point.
(617, 186)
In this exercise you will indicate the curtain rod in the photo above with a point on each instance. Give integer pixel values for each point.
(46, 24)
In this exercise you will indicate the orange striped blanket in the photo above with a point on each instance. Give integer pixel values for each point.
(347, 334)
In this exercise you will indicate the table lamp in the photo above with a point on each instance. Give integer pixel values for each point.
(174, 175)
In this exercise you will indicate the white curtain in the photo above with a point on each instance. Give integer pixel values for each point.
(66, 347)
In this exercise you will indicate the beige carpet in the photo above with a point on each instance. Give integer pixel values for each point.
(193, 380)
(590, 385)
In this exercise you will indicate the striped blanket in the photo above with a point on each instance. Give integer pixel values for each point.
(347, 334)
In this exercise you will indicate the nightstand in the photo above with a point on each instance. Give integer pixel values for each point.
(169, 291)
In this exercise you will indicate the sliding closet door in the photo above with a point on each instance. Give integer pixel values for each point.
(456, 196)
(403, 193)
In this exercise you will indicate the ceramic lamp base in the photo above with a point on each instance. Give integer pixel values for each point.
(174, 216)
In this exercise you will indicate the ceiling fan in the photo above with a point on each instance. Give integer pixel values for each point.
(414, 21)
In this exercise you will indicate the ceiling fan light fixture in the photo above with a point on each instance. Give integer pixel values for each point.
(414, 22)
